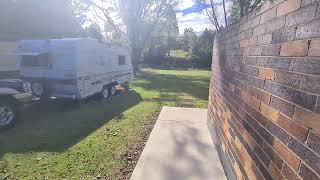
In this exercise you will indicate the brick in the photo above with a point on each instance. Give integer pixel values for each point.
(310, 30)
(288, 78)
(255, 21)
(314, 49)
(311, 84)
(243, 19)
(251, 15)
(282, 106)
(305, 65)
(289, 173)
(269, 112)
(268, 15)
(314, 142)
(248, 33)
(276, 24)
(258, 30)
(255, 103)
(251, 70)
(252, 60)
(274, 156)
(265, 39)
(287, 155)
(307, 118)
(255, 51)
(259, 94)
(293, 128)
(288, 6)
(244, 43)
(245, 96)
(307, 2)
(317, 108)
(303, 15)
(266, 73)
(275, 172)
(303, 99)
(252, 41)
(264, 7)
(274, 62)
(256, 82)
(284, 35)
(271, 50)
(246, 51)
(307, 173)
(294, 48)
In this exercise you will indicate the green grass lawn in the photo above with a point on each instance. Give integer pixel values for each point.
(179, 53)
(62, 141)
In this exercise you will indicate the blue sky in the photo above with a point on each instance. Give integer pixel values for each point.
(198, 21)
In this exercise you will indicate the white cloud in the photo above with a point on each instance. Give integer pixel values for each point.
(198, 21)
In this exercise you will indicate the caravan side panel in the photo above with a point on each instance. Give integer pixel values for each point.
(98, 65)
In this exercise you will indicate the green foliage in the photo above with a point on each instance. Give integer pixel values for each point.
(163, 38)
(93, 31)
(234, 15)
(201, 51)
(188, 39)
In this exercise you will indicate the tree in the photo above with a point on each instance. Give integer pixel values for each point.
(93, 31)
(188, 39)
(134, 20)
(163, 38)
(213, 13)
(202, 49)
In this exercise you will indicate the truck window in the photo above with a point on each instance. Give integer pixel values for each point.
(41, 60)
(121, 60)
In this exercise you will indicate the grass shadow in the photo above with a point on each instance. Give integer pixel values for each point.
(57, 125)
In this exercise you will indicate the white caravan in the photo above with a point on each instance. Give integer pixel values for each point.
(74, 68)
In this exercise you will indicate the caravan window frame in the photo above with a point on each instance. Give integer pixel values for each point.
(37, 63)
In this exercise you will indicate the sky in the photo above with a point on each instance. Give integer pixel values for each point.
(198, 21)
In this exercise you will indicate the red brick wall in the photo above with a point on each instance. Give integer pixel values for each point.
(265, 92)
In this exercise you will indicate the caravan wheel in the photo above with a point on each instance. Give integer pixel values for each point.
(105, 92)
(113, 90)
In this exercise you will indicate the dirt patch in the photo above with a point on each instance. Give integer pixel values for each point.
(132, 155)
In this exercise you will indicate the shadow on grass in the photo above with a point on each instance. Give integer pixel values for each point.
(57, 125)
(197, 87)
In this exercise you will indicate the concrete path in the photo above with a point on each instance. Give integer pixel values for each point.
(179, 148)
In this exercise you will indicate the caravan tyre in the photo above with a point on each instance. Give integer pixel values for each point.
(105, 92)
(112, 90)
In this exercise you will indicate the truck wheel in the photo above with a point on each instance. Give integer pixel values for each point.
(8, 113)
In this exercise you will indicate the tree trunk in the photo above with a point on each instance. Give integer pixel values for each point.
(136, 55)
(224, 12)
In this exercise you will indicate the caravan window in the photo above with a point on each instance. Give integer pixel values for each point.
(121, 60)
(41, 60)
